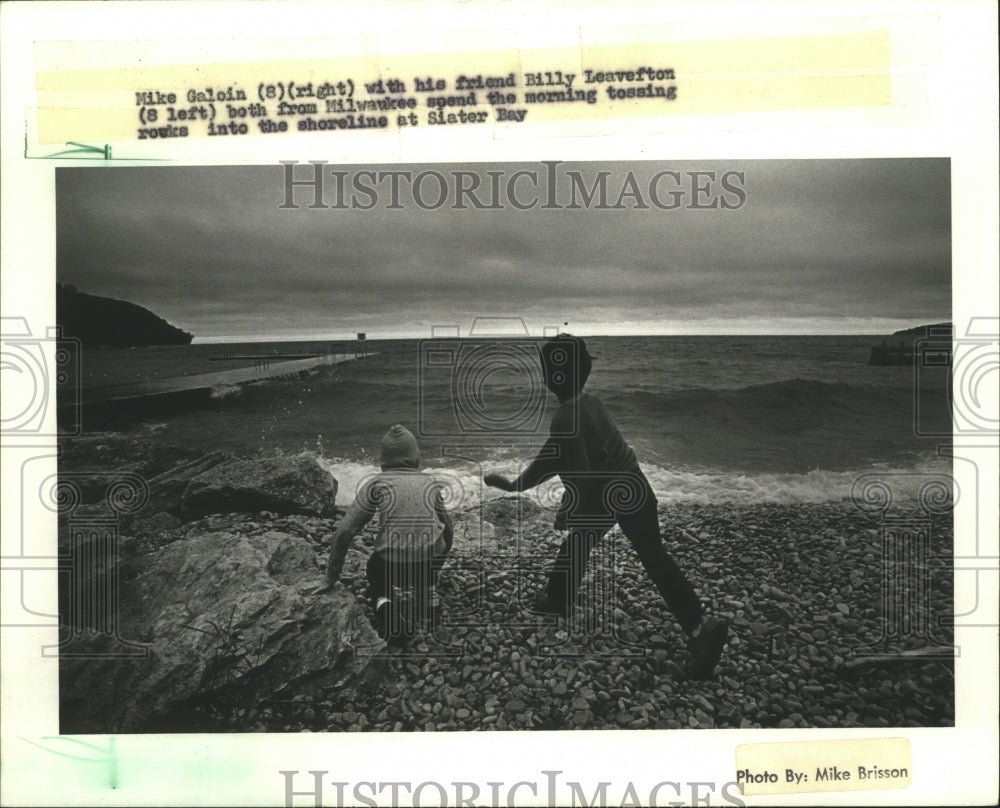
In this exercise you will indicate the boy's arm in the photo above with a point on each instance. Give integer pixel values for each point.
(552, 459)
(448, 533)
(354, 520)
(564, 452)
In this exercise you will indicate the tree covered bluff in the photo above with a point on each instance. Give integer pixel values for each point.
(104, 321)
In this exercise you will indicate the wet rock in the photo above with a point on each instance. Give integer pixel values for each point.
(285, 485)
(292, 560)
(218, 627)
(166, 488)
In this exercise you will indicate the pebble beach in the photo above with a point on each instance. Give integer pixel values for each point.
(811, 643)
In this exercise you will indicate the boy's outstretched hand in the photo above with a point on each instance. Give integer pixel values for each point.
(498, 481)
(325, 588)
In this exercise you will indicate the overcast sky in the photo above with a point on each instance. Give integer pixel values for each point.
(838, 246)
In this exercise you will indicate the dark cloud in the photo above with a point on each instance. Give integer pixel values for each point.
(210, 249)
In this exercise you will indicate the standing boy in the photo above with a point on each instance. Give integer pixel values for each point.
(604, 485)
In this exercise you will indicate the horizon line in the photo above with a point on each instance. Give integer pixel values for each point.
(267, 338)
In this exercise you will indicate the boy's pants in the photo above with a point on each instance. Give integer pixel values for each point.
(642, 528)
(419, 576)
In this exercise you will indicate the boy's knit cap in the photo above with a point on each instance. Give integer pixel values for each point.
(399, 447)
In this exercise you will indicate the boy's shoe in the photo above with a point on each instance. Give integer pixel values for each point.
(390, 624)
(706, 648)
(397, 641)
(384, 618)
(545, 605)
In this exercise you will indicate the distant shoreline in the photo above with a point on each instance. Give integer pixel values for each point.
(265, 340)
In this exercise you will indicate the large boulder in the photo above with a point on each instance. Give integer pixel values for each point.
(167, 489)
(286, 485)
(227, 618)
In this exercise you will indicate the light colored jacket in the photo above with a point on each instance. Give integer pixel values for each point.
(408, 504)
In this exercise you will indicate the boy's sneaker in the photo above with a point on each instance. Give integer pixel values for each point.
(383, 618)
(389, 623)
(706, 648)
(545, 605)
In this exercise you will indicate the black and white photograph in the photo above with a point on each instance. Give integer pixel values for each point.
(499, 404)
(592, 446)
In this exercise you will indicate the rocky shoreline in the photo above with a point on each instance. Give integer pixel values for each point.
(220, 594)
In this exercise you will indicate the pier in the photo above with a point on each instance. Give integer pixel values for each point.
(926, 353)
(928, 346)
(181, 391)
(886, 354)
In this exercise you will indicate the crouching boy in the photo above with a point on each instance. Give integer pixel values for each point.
(414, 535)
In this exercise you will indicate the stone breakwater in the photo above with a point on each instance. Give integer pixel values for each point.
(221, 595)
